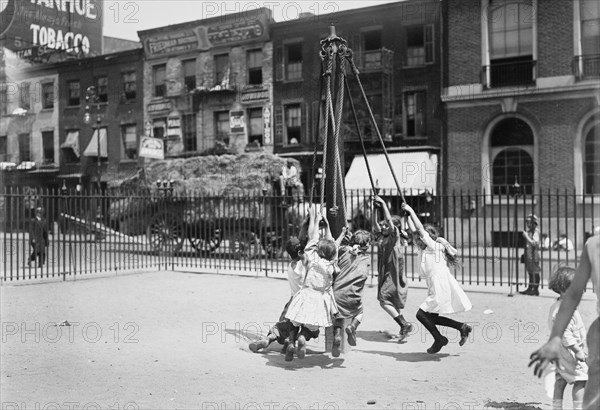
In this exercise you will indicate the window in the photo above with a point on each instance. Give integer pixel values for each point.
(128, 79)
(3, 101)
(48, 95)
(293, 123)
(101, 84)
(159, 77)
(372, 40)
(25, 100)
(158, 127)
(398, 117)
(24, 148)
(591, 160)
(293, 61)
(511, 151)
(189, 75)
(415, 114)
(511, 29)
(3, 148)
(222, 70)
(73, 93)
(419, 45)
(130, 143)
(254, 62)
(590, 27)
(48, 146)
(222, 126)
(255, 132)
(188, 128)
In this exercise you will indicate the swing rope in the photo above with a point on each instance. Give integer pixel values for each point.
(372, 117)
(326, 55)
(317, 135)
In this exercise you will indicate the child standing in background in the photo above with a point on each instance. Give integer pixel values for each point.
(573, 342)
(532, 255)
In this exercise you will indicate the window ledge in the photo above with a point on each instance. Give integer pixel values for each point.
(588, 199)
(503, 200)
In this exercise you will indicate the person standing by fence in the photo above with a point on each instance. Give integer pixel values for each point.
(38, 238)
(532, 255)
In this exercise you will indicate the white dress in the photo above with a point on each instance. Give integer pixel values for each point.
(314, 303)
(444, 293)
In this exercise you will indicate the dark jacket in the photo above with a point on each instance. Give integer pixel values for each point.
(38, 233)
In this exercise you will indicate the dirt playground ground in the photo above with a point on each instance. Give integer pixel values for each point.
(169, 340)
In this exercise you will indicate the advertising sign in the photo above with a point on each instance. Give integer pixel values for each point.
(267, 125)
(236, 121)
(204, 37)
(152, 148)
(35, 27)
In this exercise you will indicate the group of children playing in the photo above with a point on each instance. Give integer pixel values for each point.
(327, 277)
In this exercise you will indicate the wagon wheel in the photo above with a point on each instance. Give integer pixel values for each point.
(165, 233)
(207, 241)
(245, 245)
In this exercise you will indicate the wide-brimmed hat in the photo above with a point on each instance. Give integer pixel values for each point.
(533, 218)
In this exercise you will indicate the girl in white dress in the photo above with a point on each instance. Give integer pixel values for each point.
(314, 306)
(444, 293)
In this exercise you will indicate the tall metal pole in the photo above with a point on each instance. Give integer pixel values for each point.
(334, 180)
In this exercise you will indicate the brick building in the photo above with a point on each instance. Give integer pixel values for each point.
(396, 48)
(115, 121)
(522, 101)
(208, 83)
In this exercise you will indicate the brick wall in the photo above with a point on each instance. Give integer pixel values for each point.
(555, 38)
(463, 28)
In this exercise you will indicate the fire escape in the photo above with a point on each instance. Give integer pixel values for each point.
(377, 75)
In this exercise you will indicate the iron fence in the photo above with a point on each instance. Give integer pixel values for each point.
(112, 232)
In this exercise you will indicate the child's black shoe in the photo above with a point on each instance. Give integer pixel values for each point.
(404, 331)
(437, 345)
(259, 344)
(351, 332)
(464, 333)
(285, 346)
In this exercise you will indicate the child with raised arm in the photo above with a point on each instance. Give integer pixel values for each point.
(392, 287)
(348, 284)
(573, 341)
(313, 306)
(589, 268)
(444, 294)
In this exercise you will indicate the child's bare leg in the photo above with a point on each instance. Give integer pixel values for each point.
(337, 337)
(262, 343)
(559, 389)
(578, 389)
(351, 329)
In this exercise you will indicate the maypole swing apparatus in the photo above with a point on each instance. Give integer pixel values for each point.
(335, 53)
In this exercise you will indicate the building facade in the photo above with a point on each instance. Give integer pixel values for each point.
(522, 99)
(396, 48)
(99, 131)
(208, 84)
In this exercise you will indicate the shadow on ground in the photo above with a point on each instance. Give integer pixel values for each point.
(412, 357)
(512, 405)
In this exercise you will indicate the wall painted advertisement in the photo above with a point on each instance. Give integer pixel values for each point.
(34, 27)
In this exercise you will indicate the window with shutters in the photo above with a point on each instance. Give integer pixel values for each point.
(24, 147)
(188, 129)
(419, 45)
